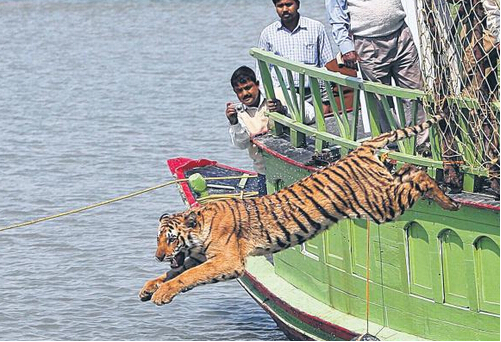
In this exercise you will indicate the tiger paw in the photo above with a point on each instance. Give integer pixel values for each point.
(149, 288)
(163, 295)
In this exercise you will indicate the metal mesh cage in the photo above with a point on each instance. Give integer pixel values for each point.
(460, 57)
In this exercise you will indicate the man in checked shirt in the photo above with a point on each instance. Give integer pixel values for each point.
(297, 38)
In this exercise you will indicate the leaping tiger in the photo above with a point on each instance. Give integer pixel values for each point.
(210, 243)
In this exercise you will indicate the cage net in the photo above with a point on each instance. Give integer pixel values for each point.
(459, 43)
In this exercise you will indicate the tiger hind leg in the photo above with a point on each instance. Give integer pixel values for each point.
(416, 183)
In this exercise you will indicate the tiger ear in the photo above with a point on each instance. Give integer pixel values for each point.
(190, 220)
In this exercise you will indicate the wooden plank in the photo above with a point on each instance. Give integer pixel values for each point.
(344, 115)
(297, 139)
(276, 128)
(319, 112)
(372, 107)
(392, 122)
(292, 88)
(335, 111)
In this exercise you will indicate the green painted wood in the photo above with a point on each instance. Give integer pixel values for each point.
(401, 117)
(420, 277)
(344, 132)
(400, 110)
(300, 68)
(431, 270)
(276, 128)
(348, 144)
(288, 100)
(314, 247)
(261, 270)
(395, 272)
(393, 123)
(336, 255)
(487, 274)
(414, 112)
(286, 316)
(374, 91)
(372, 108)
(355, 83)
(344, 116)
(297, 139)
(470, 278)
(290, 79)
(469, 150)
(355, 113)
(319, 112)
(389, 90)
(455, 285)
(436, 153)
(469, 181)
(401, 272)
(302, 95)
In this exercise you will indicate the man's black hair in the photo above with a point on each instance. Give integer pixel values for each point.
(275, 1)
(243, 75)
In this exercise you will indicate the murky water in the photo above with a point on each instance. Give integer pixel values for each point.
(94, 97)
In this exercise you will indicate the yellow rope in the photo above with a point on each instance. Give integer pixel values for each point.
(367, 281)
(218, 197)
(116, 199)
(367, 274)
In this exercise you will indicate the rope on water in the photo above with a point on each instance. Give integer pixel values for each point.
(116, 199)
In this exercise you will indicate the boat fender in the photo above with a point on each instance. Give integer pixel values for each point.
(198, 184)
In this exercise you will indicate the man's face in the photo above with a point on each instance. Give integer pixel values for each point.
(248, 93)
(287, 10)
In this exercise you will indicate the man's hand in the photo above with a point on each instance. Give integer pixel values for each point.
(350, 59)
(231, 113)
(274, 105)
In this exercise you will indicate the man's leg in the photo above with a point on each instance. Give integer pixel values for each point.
(375, 66)
(407, 74)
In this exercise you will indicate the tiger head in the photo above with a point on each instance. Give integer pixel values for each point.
(174, 239)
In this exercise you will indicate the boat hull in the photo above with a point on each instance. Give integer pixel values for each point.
(422, 285)
(434, 274)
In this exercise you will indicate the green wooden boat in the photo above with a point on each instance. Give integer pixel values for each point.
(430, 275)
(434, 275)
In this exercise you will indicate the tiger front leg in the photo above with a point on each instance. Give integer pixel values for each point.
(212, 271)
(151, 286)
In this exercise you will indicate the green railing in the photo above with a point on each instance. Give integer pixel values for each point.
(347, 120)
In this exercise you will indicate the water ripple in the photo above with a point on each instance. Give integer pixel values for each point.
(94, 97)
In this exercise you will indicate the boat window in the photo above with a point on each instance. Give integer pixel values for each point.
(453, 269)
(419, 261)
(487, 274)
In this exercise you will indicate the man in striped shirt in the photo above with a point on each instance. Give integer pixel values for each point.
(297, 38)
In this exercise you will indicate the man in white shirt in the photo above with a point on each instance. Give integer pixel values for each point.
(247, 118)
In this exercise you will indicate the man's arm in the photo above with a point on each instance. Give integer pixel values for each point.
(238, 132)
(339, 19)
(239, 136)
(340, 22)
